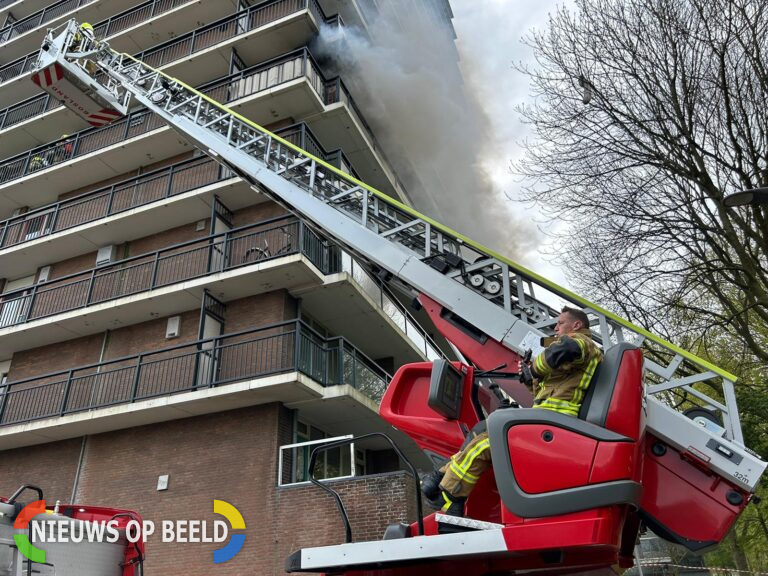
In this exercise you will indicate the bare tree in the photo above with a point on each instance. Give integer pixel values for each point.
(646, 114)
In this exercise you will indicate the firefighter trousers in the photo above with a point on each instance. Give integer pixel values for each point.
(466, 467)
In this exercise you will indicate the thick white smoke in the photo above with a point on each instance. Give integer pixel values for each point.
(407, 82)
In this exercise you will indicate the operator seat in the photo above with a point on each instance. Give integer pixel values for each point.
(548, 464)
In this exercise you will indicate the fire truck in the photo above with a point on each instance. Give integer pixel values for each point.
(657, 442)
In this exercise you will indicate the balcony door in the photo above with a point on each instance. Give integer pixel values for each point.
(211, 326)
(14, 301)
(221, 222)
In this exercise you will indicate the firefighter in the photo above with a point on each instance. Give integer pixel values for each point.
(38, 162)
(561, 375)
(84, 37)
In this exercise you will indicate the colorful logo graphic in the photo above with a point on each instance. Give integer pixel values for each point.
(236, 520)
(22, 523)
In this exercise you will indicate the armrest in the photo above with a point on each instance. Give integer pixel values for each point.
(554, 502)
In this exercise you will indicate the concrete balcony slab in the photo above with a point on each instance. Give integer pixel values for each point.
(292, 387)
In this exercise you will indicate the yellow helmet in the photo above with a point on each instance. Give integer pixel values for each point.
(86, 26)
(65, 135)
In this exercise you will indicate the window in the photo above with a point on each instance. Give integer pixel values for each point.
(334, 463)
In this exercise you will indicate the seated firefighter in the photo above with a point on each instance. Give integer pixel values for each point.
(561, 375)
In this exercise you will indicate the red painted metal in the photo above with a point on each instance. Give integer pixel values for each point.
(484, 352)
(405, 406)
(686, 499)
(541, 466)
(614, 461)
(134, 552)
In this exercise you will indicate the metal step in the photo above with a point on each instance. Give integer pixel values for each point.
(468, 523)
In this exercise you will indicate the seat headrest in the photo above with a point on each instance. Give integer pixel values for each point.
(597, 400)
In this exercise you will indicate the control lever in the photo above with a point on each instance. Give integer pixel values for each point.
(504, 401)
(525, 370)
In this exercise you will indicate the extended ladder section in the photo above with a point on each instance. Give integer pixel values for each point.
(503, 300)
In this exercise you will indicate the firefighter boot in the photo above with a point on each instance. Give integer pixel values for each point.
(430, 486)
(453, 506)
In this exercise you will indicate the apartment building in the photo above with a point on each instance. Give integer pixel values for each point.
(168, 336)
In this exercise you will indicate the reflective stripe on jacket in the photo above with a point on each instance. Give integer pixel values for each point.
(564, 371)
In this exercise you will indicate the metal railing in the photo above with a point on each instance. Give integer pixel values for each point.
(297, 64)
(391, 307)
(104, 29)
(238, 247)
(40, 17)
(18, 67)
(277, 348)
(293, 462)
(147, 188)
(227, 28)
(130, 193)
(135, 15)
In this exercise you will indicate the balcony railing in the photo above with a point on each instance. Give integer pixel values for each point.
(40, 17)
(160, 55)
(333, 464)
(226, 28)
(391, 307)
(150, 187)
(213, 362)
(193, 259)
(298, 64)
(104, 29)
(131, 193)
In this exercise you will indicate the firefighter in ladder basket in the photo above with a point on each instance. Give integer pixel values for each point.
(561, 375)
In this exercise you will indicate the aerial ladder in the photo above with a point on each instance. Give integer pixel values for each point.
(566, 495)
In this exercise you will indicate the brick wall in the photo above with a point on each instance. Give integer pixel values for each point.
(257, 212)
(308, 516)
(242, 314)
(150, 335)
(230, 456)
(53, 357)
(52, 467)
(164, 239)
(126, 175)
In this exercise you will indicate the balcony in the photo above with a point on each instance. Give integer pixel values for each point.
(353, 302)
(25, 34)
(131, 30)
(273, 254)
(277, 253)
(124, 211)
(287, 87)
(286, 362)
(259, 32)
(20, 8)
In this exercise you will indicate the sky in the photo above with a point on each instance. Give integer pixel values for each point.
(489, 42)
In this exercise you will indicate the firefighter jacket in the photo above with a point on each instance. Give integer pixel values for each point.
(564, 371)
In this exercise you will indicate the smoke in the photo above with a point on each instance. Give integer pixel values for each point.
(436, 134)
